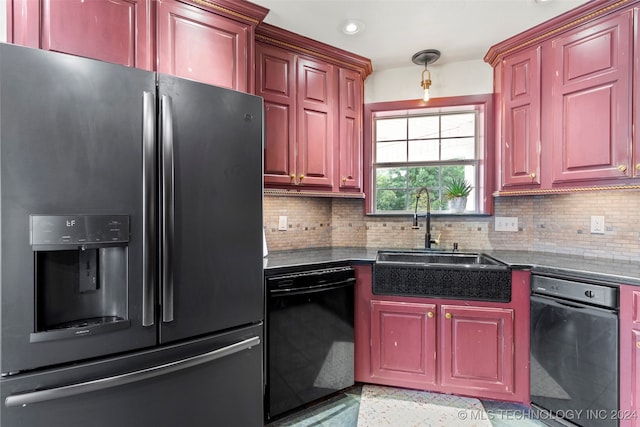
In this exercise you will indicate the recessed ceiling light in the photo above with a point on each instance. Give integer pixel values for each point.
(351, 27)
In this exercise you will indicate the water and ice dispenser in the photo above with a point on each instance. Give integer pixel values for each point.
(80, 274)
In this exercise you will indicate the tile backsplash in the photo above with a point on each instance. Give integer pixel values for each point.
(557, 223)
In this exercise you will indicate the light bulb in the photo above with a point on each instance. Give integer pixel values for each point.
(425, 97)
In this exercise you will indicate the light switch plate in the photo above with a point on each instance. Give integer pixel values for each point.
(597, 224)
(506, 223)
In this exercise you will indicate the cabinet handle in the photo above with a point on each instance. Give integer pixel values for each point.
(532, 175)
(344, 180)
(638, 166)
(292, 177)
(430, 314)
(301, 178)
(448, 315)
(638, 344)
(622, 168)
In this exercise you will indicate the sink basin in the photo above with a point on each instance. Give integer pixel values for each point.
(450, 275)
(456, 258)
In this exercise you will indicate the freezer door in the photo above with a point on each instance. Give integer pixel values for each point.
(71, 142)
(211, 145)
(209, 382)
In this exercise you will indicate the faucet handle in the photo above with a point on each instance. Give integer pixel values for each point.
(437, 239)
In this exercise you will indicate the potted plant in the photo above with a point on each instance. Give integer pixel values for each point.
(456, 192)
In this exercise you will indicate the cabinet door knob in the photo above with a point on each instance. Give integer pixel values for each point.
(448, 315)
(638, 166)
(430, 314)
(344, 180)
(622, 168)
(301, 177)
(292, 176)
(638, 344)
(532, 175)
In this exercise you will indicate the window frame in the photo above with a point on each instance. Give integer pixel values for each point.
(482, 104)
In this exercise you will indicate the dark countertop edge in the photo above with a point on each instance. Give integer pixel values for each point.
(594, 269)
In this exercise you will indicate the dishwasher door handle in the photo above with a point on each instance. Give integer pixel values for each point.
(313, 289)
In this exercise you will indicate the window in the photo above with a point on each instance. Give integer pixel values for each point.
(413, 148)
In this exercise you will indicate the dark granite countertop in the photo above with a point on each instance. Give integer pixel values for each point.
(610, 271)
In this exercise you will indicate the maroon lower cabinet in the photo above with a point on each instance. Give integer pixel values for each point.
(477, 349)
(629, 356)
(471, 348)
(404, 349)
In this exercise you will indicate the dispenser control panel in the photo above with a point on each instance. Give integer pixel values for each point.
(78, 230)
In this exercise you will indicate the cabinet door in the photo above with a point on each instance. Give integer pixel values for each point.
(521, 133)
(350, 141)
(592, 101)
(118, 31)
(202, 46)
(276, 83)
(629, 356)
(403, 343)
(315, 123)
(636, 100)
(477, 348)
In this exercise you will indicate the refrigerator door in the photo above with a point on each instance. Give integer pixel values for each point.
(211, 187)
(215, 381)
(71, 142)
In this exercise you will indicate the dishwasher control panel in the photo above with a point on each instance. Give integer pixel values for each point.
(602, 295)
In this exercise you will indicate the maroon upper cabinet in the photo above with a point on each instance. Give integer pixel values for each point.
(520, 145)
(205, 40)
(313, 112)
(316, 115)
(350, 128)
(569, 88)
(118, 31)
(202, 46)
(276, 84)
(592, 101)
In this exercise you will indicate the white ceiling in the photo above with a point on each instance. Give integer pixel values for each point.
(396, 29)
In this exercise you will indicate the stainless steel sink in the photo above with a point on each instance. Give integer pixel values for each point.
(450, 275)
(429, 257)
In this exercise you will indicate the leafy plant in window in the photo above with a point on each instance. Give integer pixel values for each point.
(457, 190)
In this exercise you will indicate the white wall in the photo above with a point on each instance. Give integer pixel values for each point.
(454, 79)
(3, 20)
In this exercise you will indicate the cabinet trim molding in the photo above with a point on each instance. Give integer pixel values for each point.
(258, 13)
(306, 193)
(564, 190)
(277, 36)
(555, 26)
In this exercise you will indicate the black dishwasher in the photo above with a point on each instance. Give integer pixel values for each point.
(309, 337)
(574, 350)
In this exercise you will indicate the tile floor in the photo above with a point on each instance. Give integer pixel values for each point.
(341, 410)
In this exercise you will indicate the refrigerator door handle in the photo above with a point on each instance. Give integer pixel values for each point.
(148, 207)
(168, 208)
(118, 380)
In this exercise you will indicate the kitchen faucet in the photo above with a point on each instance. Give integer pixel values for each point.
(427, 235)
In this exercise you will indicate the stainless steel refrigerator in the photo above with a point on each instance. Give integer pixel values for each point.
(131, 288)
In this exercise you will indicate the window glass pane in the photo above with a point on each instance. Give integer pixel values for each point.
(391, 200)
(391, 178)
(458, 149)
(458, 125)
(425, 176)
(393, 151)
(424, 150)
(390, 129)
(424, 127)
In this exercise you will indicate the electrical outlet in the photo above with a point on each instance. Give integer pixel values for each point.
(506, 223)
(282, 223)
(597, 224)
